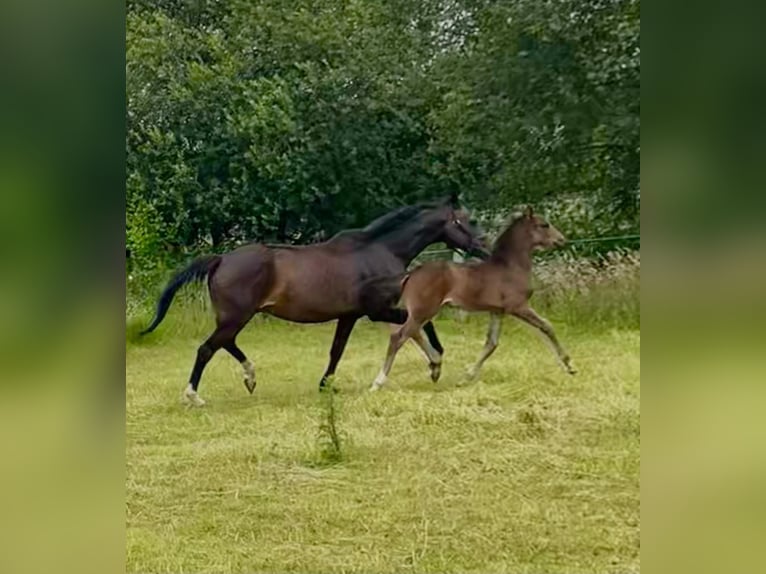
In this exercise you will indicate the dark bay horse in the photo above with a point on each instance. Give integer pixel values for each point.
(500, 285)
(336, 279)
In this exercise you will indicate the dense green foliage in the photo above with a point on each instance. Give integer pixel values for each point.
(263, 119)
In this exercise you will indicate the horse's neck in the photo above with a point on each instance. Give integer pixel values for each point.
(406, 246)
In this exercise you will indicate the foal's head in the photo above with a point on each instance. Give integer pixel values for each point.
(540, 232)
(526, 234)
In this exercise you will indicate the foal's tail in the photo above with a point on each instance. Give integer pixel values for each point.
(196, 271)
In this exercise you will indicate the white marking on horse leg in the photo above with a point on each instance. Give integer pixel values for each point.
(247, 366)
(192, 398)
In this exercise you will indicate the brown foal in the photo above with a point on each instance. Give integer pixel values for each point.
(501, 285)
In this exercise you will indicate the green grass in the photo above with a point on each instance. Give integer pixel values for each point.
(527, 470)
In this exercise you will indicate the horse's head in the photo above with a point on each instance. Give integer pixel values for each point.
(540, 232)
(459, 232)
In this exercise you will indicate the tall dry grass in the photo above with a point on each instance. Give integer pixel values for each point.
(594, 292)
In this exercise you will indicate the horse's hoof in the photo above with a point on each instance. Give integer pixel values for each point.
(374, 388)
(436, 371)
(249, 385)
(191, 397)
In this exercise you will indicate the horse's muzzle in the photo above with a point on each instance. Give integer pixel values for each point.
(481, 252)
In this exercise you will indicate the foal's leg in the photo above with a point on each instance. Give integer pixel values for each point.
(429, 343)
(528, 315)
(432, 355)
(395, 343)
(430, 332)
(436, 366)
(342, 332)
(493, 336)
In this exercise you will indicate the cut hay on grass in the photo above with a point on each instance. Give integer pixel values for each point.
(527, 470)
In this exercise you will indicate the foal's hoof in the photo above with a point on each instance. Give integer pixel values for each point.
(191, 397)
(436, 371)
(249, 384)
(471, 374)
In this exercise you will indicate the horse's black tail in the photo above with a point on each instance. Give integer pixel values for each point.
(196, 271)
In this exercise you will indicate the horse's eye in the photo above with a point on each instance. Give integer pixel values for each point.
(545, 225)
(458, 222)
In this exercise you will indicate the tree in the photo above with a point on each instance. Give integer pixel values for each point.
(266, 120)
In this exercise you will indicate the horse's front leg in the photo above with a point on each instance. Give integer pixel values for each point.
(528, 315)
(342, 332)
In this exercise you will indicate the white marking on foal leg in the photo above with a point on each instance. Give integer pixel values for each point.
(394, 344)
(190, 396)
(379, 381)
(249, 375)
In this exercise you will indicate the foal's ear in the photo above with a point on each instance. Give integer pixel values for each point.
(528, 212)
(454, 199)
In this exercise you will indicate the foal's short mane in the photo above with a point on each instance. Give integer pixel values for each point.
(503, 241)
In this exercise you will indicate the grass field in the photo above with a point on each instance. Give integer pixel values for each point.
(527, 470)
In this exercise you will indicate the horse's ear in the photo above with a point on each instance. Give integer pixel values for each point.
(454, 199)
(528, 212)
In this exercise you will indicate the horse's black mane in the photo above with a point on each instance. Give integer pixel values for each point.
(387, 222)
(384, 224)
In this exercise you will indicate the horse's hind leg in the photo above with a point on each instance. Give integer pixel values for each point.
(398, 338)
(433, 356)
(205, 352)
(247, 366)
(425, 338)
(493, 336)
(223, 337)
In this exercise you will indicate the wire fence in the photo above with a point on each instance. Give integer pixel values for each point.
(586, 246)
